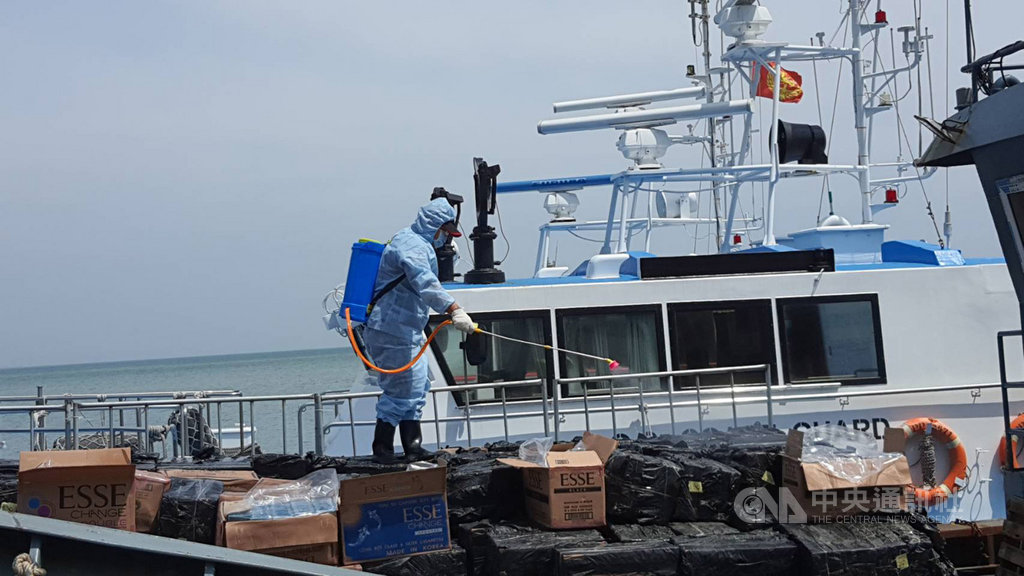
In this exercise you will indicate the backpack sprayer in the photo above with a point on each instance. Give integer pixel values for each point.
(361, 294)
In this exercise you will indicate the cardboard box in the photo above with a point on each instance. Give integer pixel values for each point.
(569, 492)
(222, 514)
(149, 489)
(234, 480)
(308, 538)
(235, 497)
(822, 494)
(397, 514)
(86, 486)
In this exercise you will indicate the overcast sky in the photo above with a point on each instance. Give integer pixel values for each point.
(186, 178)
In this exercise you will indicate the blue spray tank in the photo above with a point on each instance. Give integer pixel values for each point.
(360, 285)
(362, 278)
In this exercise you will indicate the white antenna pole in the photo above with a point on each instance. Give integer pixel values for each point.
(773, 175)
(873, 94)
(712, 136)
(863, 155)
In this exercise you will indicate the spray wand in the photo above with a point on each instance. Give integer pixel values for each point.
(612, 364)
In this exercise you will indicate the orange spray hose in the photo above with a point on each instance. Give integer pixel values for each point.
(351, 338)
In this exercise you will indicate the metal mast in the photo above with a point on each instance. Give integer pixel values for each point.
(712, 137)
(863, 156)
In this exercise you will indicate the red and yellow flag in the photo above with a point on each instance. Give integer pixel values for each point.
(791, 89)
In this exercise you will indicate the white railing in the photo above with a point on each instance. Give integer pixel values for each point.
(126, 418)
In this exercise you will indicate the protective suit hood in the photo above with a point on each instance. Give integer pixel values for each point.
(431, 217)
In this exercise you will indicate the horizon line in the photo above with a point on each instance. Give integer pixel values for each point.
(169, 358)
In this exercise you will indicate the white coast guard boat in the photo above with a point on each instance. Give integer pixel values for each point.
(842, 323)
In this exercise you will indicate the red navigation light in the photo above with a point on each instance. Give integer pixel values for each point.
(881, 17)
(891, 197)
(737, 239)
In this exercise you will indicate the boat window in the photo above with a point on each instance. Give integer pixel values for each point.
(832, 339)
(631, 336)
(506, 361)
(720, 335)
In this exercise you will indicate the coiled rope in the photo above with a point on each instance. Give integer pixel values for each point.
(24, 566)
(928, 460)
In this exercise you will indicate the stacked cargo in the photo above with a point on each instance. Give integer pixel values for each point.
(666, 505)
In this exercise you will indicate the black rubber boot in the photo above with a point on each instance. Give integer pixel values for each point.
(384, 443)
(412, 439)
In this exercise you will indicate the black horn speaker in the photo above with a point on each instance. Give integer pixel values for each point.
(803, 143)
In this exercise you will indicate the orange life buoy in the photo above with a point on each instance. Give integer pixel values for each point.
(1018, 422)
(957, 459)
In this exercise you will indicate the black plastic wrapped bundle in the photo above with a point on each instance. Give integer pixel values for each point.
(321, 462)
(481, 490)
(441, 562)
(630, 446)
(710, 485)
(645, 490)
(701, 529)
(244, 463)
(284, 466)
(759, 467)
(8, 480)
(762, 552)
(756, 436)
(188, 510)
(523, 551)
(709, 439)
(503, 448)
(756, 452)
(632, 559)
(663, 440)
(919, 522)
(662, 450)
(366, 465)
(472, 536)
(884, 547)
(468, 455)
(638, 533)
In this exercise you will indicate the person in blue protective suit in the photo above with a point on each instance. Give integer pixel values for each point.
(393, 334)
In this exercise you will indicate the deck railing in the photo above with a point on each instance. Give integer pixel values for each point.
(122, 416)
(17, 408)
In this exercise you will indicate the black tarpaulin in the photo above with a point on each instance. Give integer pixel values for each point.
(523, 551)
(762, 552)
(884, 546)
(630, 559)
(701, 529)
(637, 533)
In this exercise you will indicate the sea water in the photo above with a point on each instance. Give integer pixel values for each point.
(273, 373)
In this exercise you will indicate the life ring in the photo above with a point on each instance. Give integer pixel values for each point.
(1017, 423)
(957, 459)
